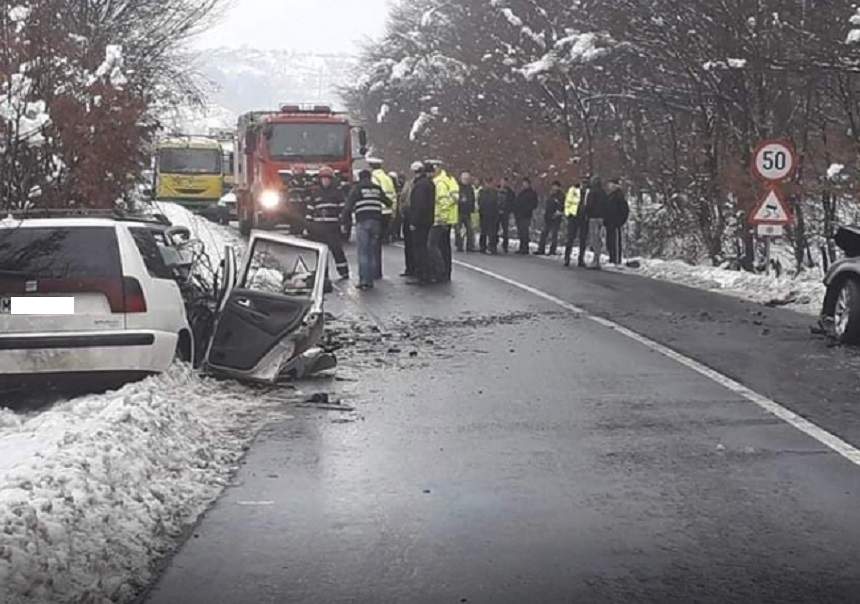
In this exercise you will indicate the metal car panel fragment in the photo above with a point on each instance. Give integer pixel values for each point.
(272, 321)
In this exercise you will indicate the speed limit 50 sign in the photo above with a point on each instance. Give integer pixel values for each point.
(774, 161)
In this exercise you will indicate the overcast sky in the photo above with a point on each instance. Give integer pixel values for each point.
(307, 25)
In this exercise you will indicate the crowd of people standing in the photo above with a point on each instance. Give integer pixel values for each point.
(431, 208)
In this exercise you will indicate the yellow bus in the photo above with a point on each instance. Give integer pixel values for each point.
(190, 172)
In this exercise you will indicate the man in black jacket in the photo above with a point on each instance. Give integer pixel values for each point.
(324, 218)
(488, 209)
(524, 208)
(422, 215)
(507, 197)
(403, 219)
(466, 207)
(617, 214)
(367, 200)
(596, 202)
(552, 215)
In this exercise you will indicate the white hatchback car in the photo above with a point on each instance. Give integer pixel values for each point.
(87, 296)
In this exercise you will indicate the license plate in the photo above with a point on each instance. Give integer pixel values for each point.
(35, 306)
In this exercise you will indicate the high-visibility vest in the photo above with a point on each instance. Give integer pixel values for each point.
(447, 200)
(572, 201)
(384, 181)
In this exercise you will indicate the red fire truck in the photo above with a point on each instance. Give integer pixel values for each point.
(278, 156)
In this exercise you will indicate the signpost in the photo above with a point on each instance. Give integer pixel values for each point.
(772, 209)
(774, 162)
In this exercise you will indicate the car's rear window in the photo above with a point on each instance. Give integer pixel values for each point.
(59, 253)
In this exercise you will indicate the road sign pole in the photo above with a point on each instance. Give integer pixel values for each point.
(767, 241)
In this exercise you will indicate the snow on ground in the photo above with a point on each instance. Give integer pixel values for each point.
(214, 236)
(804, 293)
(94, 490)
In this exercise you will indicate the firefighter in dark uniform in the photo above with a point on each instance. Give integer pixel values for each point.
(324, 216)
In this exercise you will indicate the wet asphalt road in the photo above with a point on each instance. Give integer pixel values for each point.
(527, 454)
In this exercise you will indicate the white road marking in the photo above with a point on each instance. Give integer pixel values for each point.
(256, 503)
(821, 435)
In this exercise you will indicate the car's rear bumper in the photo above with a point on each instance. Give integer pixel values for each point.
(93, 352)
(54, 342)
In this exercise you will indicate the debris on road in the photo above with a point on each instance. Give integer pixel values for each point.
(322, 400)
(792, 298)
(318, 398)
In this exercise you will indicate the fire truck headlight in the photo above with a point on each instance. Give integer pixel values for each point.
(269, 200)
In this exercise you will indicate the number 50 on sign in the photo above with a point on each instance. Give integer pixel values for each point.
(774, 161)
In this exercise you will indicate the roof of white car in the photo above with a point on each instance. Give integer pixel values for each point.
(11, 222)
(73, 221)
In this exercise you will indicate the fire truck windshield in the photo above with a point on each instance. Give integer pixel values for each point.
(313, 142)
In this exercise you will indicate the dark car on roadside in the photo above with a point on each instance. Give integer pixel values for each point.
(841, 313)
(224, 211)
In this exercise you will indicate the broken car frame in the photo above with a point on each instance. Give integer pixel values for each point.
(270, 319)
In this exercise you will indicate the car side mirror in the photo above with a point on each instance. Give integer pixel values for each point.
(250, 142)
(268, 132)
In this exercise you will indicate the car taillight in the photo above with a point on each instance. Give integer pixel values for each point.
(133, 299)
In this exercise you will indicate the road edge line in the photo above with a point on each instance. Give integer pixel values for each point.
(798, 422)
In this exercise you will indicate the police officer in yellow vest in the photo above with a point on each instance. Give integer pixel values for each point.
(447, 217)
(381, 179)
(573, 215)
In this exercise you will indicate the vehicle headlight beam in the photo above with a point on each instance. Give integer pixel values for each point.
(270, 199)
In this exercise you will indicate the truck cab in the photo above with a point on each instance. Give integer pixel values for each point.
(278, 157)
(189, 171)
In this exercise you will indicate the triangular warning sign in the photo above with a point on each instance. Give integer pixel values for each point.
(301, 267)
(771, 209)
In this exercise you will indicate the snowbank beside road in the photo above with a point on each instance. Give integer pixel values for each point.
(94, 490)
(214, 236)
(804, 293)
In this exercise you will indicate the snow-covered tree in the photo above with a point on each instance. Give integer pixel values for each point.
(79, 84)
(672, 96)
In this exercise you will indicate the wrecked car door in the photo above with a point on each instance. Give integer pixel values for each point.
(272, 321)
(228, 277)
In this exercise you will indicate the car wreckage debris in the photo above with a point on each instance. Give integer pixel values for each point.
(322, 400)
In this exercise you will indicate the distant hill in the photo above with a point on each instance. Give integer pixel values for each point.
(246, 79)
